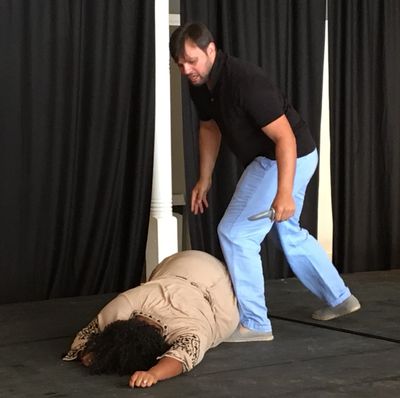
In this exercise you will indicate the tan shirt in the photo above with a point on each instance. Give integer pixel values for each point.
(189, 295)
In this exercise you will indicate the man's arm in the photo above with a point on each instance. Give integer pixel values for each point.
(281, 133)
(209, 143)
(165, 368)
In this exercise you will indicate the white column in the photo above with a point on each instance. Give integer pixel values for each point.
(162, 239)
(325, 223)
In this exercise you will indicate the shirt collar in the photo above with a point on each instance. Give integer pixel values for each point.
(216, 69)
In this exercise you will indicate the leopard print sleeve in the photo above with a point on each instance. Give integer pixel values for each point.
(81, 339)
(187, 350)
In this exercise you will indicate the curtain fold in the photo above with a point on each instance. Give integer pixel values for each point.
(364, 51)
(76, 145)
(286, 38)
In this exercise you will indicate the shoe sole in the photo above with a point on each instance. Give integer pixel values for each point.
(248, 339)
(334, 316)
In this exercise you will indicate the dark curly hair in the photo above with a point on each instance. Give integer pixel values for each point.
(124, 347)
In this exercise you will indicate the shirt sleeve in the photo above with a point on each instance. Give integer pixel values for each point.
(189, 349)
(261, 100)
(81, 339)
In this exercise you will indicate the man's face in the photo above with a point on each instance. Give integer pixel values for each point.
(196, 64)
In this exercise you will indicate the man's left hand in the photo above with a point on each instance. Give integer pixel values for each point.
(284, 206)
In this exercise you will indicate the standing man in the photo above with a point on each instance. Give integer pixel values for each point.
(236, 101)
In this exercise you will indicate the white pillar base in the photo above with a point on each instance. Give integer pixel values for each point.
(162, 241)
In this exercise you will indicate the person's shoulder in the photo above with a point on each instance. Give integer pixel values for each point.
(244, 67)
(246, 75)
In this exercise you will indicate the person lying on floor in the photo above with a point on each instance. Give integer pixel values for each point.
(163, 327)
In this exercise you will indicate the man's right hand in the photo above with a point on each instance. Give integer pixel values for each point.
(199, 196)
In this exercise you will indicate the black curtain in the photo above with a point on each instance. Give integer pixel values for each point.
(76, 145)
(286, 38)
(364, 49)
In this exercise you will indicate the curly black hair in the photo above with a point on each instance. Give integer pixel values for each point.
(124, 347)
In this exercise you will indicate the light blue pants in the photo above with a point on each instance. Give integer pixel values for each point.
(241, 239)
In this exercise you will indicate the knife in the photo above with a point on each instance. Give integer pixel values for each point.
(264, 214)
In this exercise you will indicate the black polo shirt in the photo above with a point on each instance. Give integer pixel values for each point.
(242, 100)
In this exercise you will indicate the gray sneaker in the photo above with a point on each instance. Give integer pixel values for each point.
(243, 335)
(348, 306)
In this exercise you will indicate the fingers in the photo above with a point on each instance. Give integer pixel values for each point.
(142, 379)
(87, 359)
(284, 206)
(199, 201)
(193, 201)
(283, 214)
(200, 206)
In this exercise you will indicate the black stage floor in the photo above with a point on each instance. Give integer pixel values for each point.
(354, 356)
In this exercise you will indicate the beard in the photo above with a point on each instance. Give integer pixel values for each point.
(197, 79)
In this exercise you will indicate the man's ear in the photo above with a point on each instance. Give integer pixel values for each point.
(211, 49)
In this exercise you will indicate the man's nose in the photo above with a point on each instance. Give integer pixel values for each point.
(186, 69)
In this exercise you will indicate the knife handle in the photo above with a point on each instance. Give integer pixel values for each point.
(264, 214)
